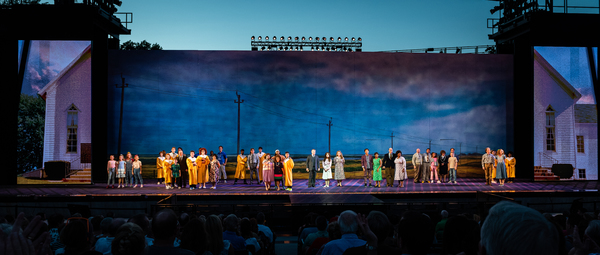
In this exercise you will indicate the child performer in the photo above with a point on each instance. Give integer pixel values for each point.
(278, 172)
(377, 174)
(167, 172)
(288, 165)
(267, 171)
(176, 172)
(452, 163)
(137, 171)
(121, 171)
(510, 167)
(327, 169)
(203, 163)
(400, 164)
(192, 170)
(159, 167)
(240, 170)
(128, 170)
(434, 166)
(110, 169)
(213, 176)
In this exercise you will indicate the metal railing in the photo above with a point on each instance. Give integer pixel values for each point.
(479, 49)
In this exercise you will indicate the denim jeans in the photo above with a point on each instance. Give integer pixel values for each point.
(137, 177)
(453, 174)
(111, 176)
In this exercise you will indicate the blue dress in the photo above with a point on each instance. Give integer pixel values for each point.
(501, 168)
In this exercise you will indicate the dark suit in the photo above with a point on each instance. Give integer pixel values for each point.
(443, 164)
(312, 163)
(390, 169)
(182, 180)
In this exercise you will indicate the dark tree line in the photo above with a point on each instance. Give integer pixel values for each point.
(143, 45)
(30, 133)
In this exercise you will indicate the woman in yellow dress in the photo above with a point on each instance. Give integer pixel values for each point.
(202, 161)
(167, 171)
(240, 170)
(510, 167)
(159, 167)
(192, 170)
(288, 165)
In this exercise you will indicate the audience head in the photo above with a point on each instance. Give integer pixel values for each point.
(105, 225)
(380, 225)
(333, 229)
(214, 231)
(141, 220)
(194, 237)
(511, 228)
(593, 231)
(415, 233)
(444, 214)
(165, 225)
(75, 236)
(114, 226)
(461, 235)
(231, 223)
(260, 218)
(321, 223)
(348, 222)
(130, 239)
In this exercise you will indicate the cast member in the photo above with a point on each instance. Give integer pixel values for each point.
(452, 164)
(203, 163)
(417, 161)
(494, 168)
(267, 170)
(390, 169)
(121, 171)
(426, 164)
(137, 171)
(260, 155)
(487, 164)
(167, 172)
(278, 172)
(501, 167)
(215, 167)
(253, 165)
(339, 161)
(128, 170)
(377, 174)
(240, 169)
(400, 165)
(312, 166)
(288, 166)
(176, 173)
(443, 166)
(327, 169)
(182, 159)
(222, 157)
(192, 170)
(111, 171)
(367, 166)
(510, 167)
(159, 168)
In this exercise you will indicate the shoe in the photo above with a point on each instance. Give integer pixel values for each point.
(158, 183)
(119, 187)
(225, 181)
(178, 187)
(454, 182)
(142, 186)
(107, 186)
(113, 186)
(422, 181)
(135, 186)
(493, 181)
(439, 181)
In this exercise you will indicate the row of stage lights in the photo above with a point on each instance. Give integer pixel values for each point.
(318, 48)
(289, 38)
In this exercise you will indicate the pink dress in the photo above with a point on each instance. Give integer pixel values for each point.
(268, 175)
(434, 166)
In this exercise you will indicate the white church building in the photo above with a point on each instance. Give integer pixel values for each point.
(67, 131)
(564, 132)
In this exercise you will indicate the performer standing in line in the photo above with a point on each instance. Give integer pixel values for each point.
(494, 167)
(400, 165)
(121, 171)
(327, 169)
(176, 173)
(137, 171)
(390, 169)
(253, 165)
(487, 163)
(510, 167)
(452, 163)
(367, 166)
(167, 172)
(443, 166)
(377, 174)
(417, 161)
(214, 173)
(426, 164)
(222, 157)
(159, 168)
(288, 166)
(433, 168)
(267, 170)
(278, 172)
(203, 162)
(339, 161)
(240, 170)
(192, 170)
(182, 159)
(128, 170)
(312, 166)
(501, 167)
(260, 156)
(110, 170)
(173, 153)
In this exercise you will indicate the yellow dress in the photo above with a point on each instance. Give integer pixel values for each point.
(288, 165)
(260, 166)
(167, 170)
(159, 167)
(202, 163)
(494, 168)
(192, 171)
(240, 170)
(510, 167)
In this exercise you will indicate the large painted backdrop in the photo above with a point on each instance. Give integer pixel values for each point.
(187, 99)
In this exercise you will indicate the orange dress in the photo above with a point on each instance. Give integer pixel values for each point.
(159, 167)
(192, 170)
(167, 170)
(202, 162)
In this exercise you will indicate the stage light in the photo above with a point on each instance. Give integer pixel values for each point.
(296, 38)
(280, 47)
(252, 38)
(274, 38)
(339, 39)
(303, 38)
(353, 39)
(260, 38)
(281, 38)
(317, 38)
(346, 39)
(266, 38)
(263, 48)
(286, 48)
(360, 39)
(324, 38)
(289, 38)
(331, 39)
(310, 38)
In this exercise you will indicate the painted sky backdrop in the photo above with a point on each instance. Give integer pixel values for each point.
(186, 98)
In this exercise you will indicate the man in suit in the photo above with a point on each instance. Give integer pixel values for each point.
(312, 166)
(367, 166)
(182, 159)
(417, 161)
(389, 167)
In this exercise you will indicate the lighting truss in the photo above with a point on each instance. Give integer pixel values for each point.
(269, 43)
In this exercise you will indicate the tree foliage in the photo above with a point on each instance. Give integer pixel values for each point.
(143, 45)
(30, 132)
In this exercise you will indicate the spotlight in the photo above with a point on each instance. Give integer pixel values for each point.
(281, 38)
(346, 39)
(286, 48)
(263, 48)
(296, 38)
(310, 38)
(280, 47)
(274, 38)
(303, 38)
(252, 38)
(339, 39)
(289, 38)
(353, 39)
(360, 39)
(266, 38)
(331, 39)
(317, 38)
(260, 38)
(312, 48)
(324, 38)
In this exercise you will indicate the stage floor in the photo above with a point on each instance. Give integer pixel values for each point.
(351, 186)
